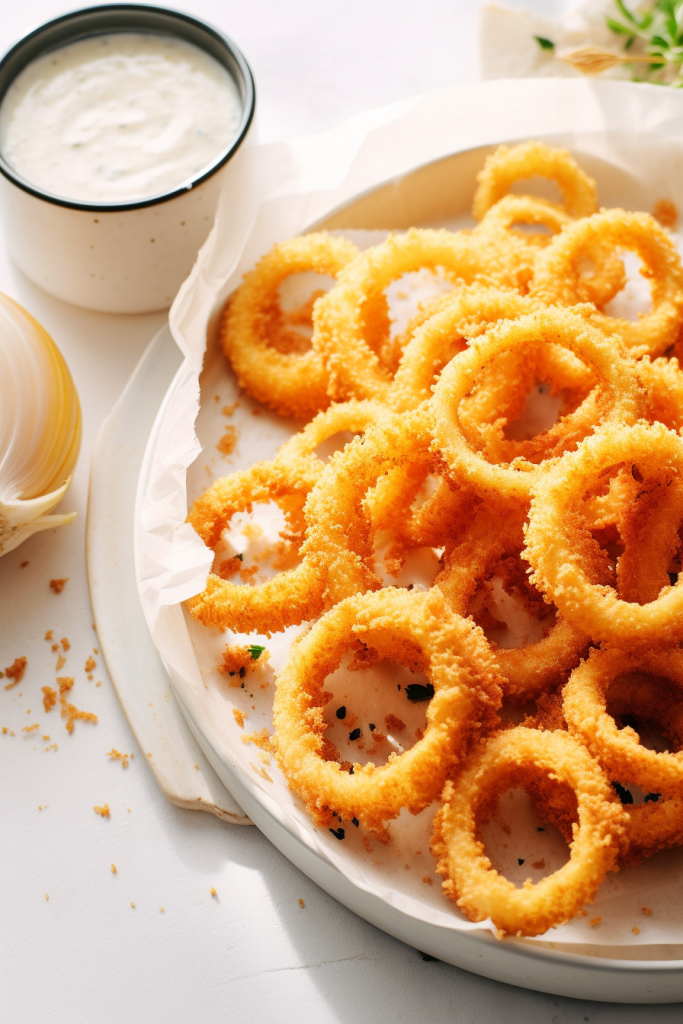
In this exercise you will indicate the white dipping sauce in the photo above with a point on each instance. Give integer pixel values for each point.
(118, 117)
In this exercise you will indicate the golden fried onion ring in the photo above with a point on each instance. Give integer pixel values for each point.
(419, 631)
(294, 594)
(294, 384)
(617, 387)
(558, 275)
(341, 335)
(620, 751)
(508, 165)
(517, 757)
(564, 554)
(489, 536)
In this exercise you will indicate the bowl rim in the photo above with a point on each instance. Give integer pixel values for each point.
(82, 24)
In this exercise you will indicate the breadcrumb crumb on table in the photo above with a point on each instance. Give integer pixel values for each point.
(61, 662)
(50, 698)
(594, 922)
(213, 891)
(301, 903)
(65, 643)
(239, 717)
(58, 585)
(161, 910)
(132, 904)
(90, 664)
(70, 711)
(646, 911)
(47, 896)
(30, 728)
(103, 811)
(116, 755)
(635, 930)
(15, 672)
(48, 635)
(113, 869)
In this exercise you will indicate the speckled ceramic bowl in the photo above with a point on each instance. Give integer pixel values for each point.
(126, 257)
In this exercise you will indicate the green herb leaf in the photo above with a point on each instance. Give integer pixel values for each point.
(545, 44)
(659, 42)
(416, 691)
(616, 26)
(625, 11)
(240, 556)
(256, 650)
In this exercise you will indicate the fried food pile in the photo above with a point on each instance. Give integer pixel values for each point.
(579, 521)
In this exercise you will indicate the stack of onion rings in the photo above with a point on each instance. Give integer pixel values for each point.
(579, 520)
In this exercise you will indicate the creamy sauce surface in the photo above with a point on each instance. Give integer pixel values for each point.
(118, 117)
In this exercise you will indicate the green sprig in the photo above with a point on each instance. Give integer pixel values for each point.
(659, 29)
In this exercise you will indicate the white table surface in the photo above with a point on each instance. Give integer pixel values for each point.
(252, 954)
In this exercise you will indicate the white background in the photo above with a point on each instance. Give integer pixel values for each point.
(252, 954)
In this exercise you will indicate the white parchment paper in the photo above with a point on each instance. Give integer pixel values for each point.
(631, 138)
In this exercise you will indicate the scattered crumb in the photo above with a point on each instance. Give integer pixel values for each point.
(263, 757)
(213, 891)
(259, 739)
(98, 684)
(239, 717)
(242, 660)
(394, 723)
(247, 573)
(58, 585)
(23, 565)
(132, 905)
(102, 811)
(228, 410)
(53, 746)
(196, 767)
(70, 711)
(301, 902)
(129, 810)
(30, 728)
(50, 698)
(43, 807)
(55, 647)
(595, 921)
(149, 753)
(4, 730)
(95, 651)
(161, 910)
(252, 530)
(538, 864)
(61, 662)
(116, 755)
(48, 635)
(228, 441)
(427, 880)
(113, 869)
(28, 712)
(65, 643)
(90, 664)
(16, 671)
(47, 896)
(666, 213)
(216, 398)
(635, 930)
(646, 911)
(46, 738)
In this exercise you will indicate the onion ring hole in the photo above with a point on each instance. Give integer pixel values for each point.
(520, 842)
(368, 713)
(255, 547)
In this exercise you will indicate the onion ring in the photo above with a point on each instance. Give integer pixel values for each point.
(564, 554)
(294, 594)
(557, 275)
(453, 320)
(617, 387)
(341, 334)
(608, 275)
(292, 384)
(620, 751)
(419, 631)
(508, 165)
(516, 757)
(489, 536)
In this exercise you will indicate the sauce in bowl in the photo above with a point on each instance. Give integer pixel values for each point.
(118, 117)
